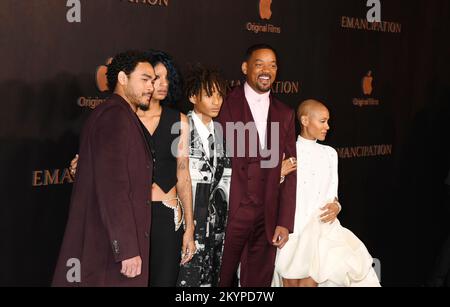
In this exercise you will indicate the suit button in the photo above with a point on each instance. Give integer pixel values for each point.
(148, 202)
(147, 235)
(205, 178)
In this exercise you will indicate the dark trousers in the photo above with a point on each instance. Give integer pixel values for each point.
(246, 241)
(165, 247)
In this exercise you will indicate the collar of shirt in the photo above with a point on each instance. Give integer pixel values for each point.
(254, 98)
(302, 140)
(203, 130)
(259, 106)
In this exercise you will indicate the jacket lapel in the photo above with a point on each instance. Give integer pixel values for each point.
(196, 142)
(137, 122)
(273, 117)
(237, 107)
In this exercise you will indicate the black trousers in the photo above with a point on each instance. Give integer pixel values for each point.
(165, 247)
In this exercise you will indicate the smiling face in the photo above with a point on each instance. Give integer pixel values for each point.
(261, 70)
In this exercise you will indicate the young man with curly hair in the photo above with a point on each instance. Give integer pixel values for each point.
(107, 233)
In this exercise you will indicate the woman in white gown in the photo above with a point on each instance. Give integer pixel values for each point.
(320, 252)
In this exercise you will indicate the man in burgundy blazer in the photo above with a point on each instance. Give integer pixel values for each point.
(106, 242)
(261, 213)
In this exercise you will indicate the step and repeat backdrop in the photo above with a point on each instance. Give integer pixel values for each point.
(381, 66)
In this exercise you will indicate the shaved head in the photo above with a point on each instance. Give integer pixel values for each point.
(313, 116)
(307, 107)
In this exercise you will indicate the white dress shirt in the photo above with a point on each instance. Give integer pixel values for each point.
(259, 105)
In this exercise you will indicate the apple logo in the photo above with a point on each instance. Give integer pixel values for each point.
(265, 9)
(367, 84)
(102, 80)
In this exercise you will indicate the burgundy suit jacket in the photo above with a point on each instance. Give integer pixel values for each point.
(279, 200)
(109, 219)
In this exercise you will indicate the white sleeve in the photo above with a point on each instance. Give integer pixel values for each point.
(334, 182)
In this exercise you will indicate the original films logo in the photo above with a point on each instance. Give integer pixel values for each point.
(265, 14)
(367, 87)
(102, 86)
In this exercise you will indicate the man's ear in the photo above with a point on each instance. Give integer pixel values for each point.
(244, 68)
(193, 99)
(122, 78)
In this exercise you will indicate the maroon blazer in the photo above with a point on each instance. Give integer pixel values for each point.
(279, 200)
(109, 219)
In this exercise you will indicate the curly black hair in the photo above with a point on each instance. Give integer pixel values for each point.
(175, 80)
(204, 78)
(126, 62)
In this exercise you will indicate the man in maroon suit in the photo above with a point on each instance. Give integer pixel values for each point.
(262, 210)
(106, 242)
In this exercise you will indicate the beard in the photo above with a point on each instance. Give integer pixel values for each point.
(264, 87)
(138, 101)
(144, 107)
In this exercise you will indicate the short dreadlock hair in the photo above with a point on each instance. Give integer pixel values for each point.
(126, 62)
(201, 78)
